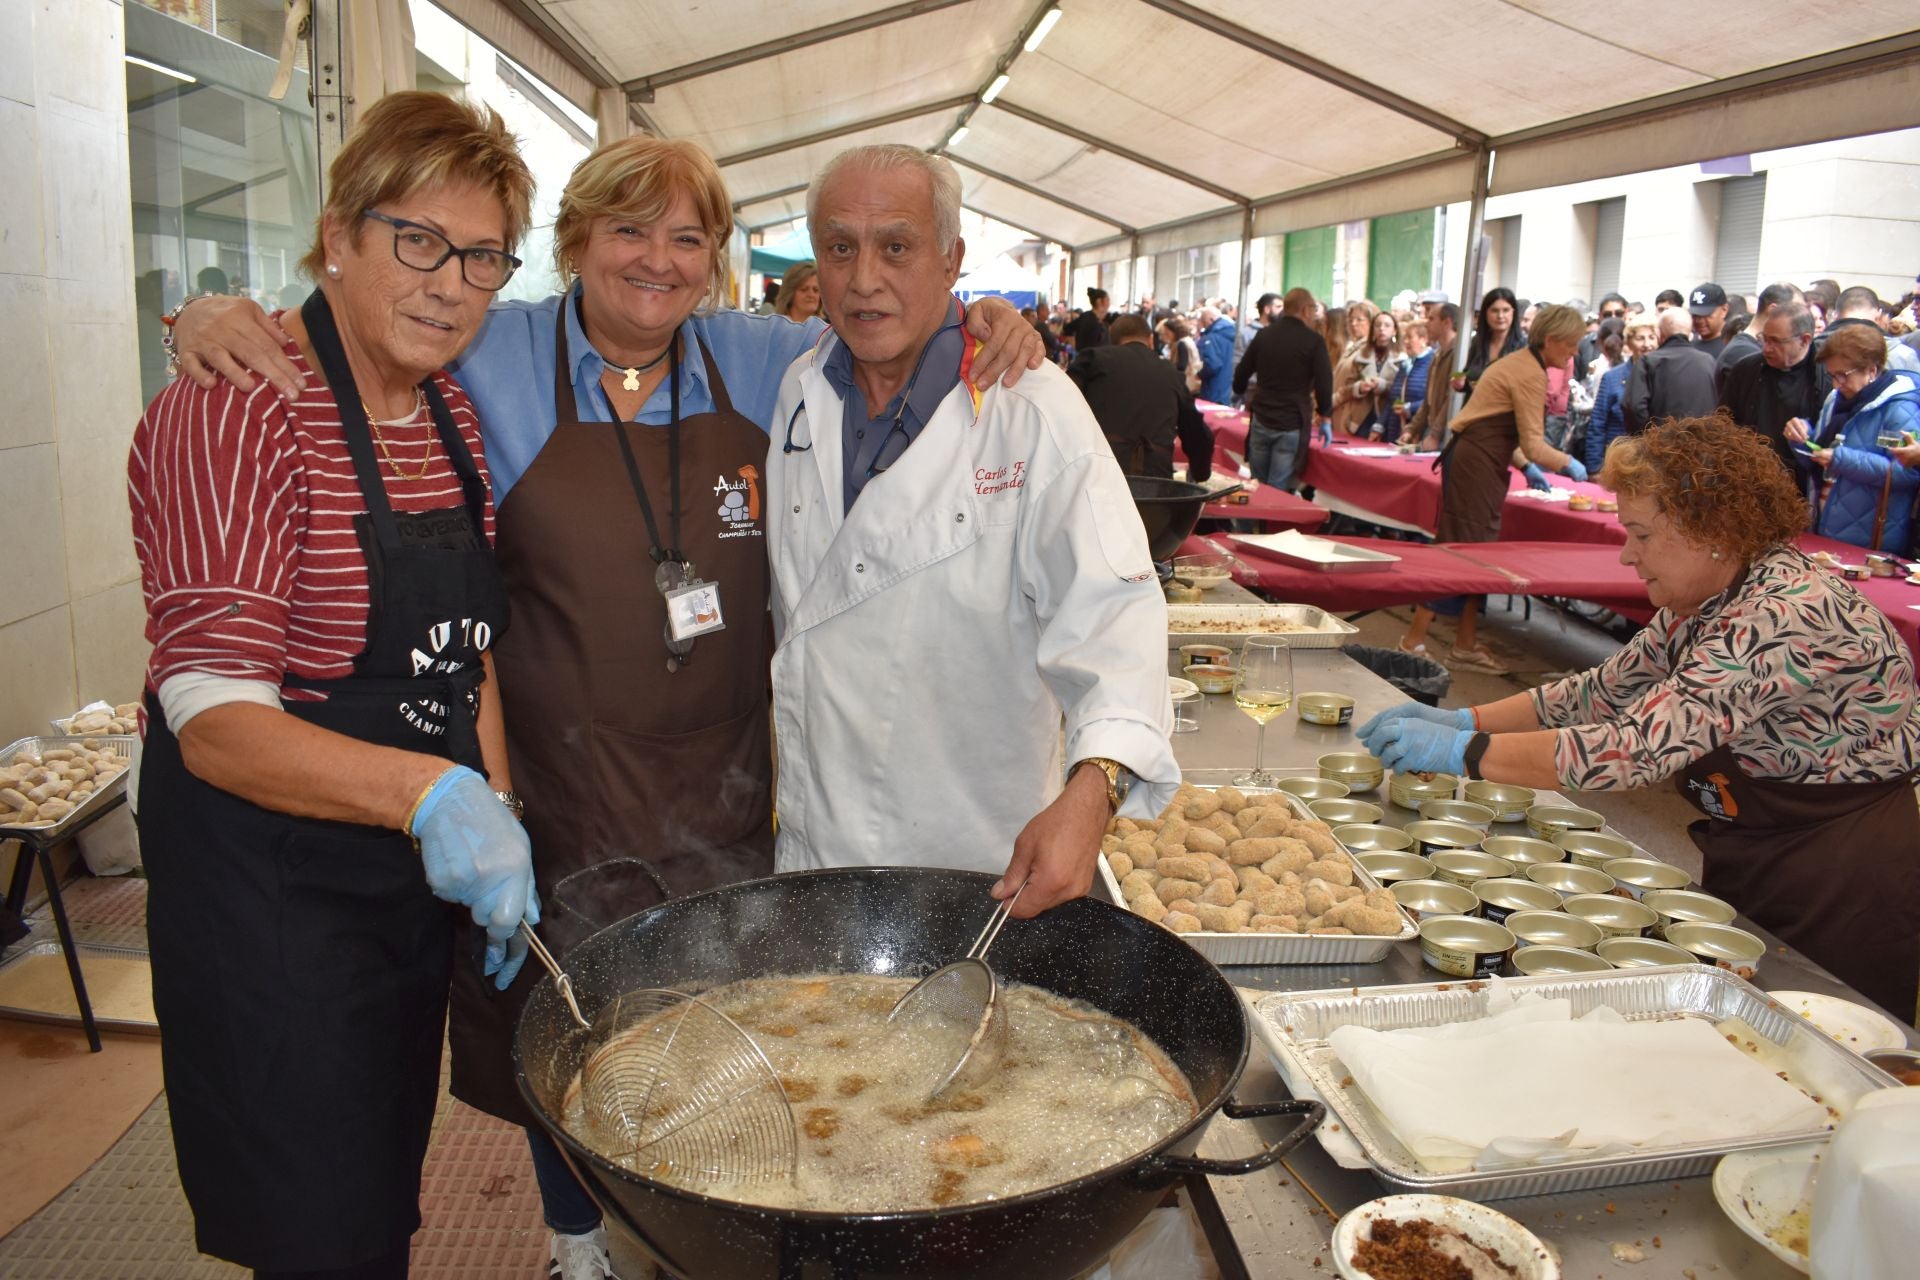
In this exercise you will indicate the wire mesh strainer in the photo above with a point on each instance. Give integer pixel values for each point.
(674, 1088)
(957, 1010)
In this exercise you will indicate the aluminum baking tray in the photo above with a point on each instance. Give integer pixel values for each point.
(1229, 624)
(121, 745)
(1295, 1027)
(1280, 948)
(49, 950)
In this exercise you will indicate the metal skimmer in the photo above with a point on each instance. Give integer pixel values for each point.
(561, 982)
(957, 1008)
(674, 1088)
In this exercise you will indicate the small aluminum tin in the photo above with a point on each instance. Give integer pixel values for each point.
(1883, 566)
(1214, 654)
(1894, 1061)
(1632, 953)
(1617, 917)
(1465, 946)
(1423, 899)
(1549, 820)
(1720, 944)
(1360, 771)
(1855, 572)
(1408, 789)
(1554, 929)
(1676, 906)
(1538, 958)
(1636, 877)
(1210, 679)
(1339, 812)
(1368, 837)
(1508, 801)
(1430, 838)
(1466, 867)
(1594, 849)
(1313, 788)
(1524, 851)
(1324, 708)
(1566, 879)
(1503, 897)
(1464, 812)
(1390, 868)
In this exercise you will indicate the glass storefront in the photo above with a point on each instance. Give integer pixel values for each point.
(225, 178)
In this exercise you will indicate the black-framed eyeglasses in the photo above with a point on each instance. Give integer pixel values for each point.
(424, 249)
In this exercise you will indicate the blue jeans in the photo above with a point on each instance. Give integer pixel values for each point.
(568, 1208)
(1273, 454)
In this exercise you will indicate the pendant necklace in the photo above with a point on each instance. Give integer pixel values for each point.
(632, 381)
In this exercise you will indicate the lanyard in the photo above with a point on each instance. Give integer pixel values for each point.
(670, 553)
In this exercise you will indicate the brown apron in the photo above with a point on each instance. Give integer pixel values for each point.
(1475, 475)
(1832, 868)
(614, 755)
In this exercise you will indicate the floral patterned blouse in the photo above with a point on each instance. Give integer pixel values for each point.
(1791, 668)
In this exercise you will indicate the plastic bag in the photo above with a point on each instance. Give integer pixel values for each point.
(1168, 1245)
(1421, 679)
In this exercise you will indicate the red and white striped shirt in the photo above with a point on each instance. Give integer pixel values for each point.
(243, 511)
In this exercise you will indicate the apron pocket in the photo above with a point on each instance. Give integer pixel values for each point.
(668, 795)
(355, 909)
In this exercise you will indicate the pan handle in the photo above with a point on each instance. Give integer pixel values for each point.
(1310, 1111)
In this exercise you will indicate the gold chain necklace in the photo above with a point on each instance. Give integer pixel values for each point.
(386, 451)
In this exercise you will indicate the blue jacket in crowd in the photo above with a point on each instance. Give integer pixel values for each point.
(1860, 469)
(1607, 423)
(1216, 353)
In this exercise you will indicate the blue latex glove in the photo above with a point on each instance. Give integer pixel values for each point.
(1416, 746)
(1536, 478)
(1459, 718)
(476, 856)
(1576, 471)
(1326, 432)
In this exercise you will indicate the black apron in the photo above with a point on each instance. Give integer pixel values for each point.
(1831, 868)
(300, 967)
(615, 756)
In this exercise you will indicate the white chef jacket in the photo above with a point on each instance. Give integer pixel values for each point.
(931, 638)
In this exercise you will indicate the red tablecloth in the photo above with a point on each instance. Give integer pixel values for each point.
(1577, 571)
(1275, 509)
(1406, 490)
(1229, 425)
(1892, 596)
(1425, 572)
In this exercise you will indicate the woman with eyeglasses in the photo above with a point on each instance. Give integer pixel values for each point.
(1868, 421)
(324, 748)
(627, 424)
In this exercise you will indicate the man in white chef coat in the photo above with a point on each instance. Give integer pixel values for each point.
(954, 573)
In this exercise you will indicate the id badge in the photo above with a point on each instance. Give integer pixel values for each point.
(694, 609)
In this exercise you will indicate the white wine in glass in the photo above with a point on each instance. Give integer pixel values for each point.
(1263, 688)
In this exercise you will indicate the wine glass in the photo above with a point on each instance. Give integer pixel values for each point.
(1263, 688)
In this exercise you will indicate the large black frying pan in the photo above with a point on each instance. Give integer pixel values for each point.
(902, 921)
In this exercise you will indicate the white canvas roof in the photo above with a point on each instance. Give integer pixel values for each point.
(1169, 120)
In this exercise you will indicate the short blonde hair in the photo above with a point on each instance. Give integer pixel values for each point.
(792, 280)
(412, 141)
(1555, 321)
(637, 179)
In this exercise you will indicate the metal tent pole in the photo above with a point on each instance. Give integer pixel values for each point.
(1475, 266)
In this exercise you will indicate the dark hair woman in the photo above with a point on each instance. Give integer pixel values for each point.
(1496, 332)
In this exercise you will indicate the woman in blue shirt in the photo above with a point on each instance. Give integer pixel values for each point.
(626, 424)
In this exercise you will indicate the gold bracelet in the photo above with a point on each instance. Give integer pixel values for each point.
(407, 826)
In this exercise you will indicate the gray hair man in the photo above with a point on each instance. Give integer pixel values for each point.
(1674, 380)
(955, 572)
(1778, 391)
(1747, 342)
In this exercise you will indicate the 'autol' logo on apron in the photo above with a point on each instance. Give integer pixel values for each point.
(1714, 796)
(740, 503)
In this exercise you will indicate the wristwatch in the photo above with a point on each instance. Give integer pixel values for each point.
(1119, 779)
(515, 805)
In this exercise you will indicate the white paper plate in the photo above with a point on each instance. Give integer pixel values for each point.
(1180, 687)
(1518, 1247)
(1853, 1025)
(1769, 1195)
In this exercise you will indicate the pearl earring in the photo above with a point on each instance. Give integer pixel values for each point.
(1716, 555)
(333, 269)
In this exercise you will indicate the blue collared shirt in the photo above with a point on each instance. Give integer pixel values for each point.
(866, 438)
(508, 371)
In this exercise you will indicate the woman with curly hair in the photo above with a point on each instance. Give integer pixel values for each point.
(1779, 700)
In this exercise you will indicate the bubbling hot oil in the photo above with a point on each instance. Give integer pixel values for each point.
(1076, 1092)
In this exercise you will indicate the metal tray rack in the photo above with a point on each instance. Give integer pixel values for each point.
(1295, 1027)
(1280, 948)
(1229, 624)
(119, 744)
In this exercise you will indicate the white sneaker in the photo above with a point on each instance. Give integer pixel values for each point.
(582, 1257)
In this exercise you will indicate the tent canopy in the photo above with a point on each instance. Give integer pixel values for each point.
(1001, 278)
(1176, 119)
(774, 258)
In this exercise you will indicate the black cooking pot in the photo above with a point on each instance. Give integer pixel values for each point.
(902, 921)
(1169, 509)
